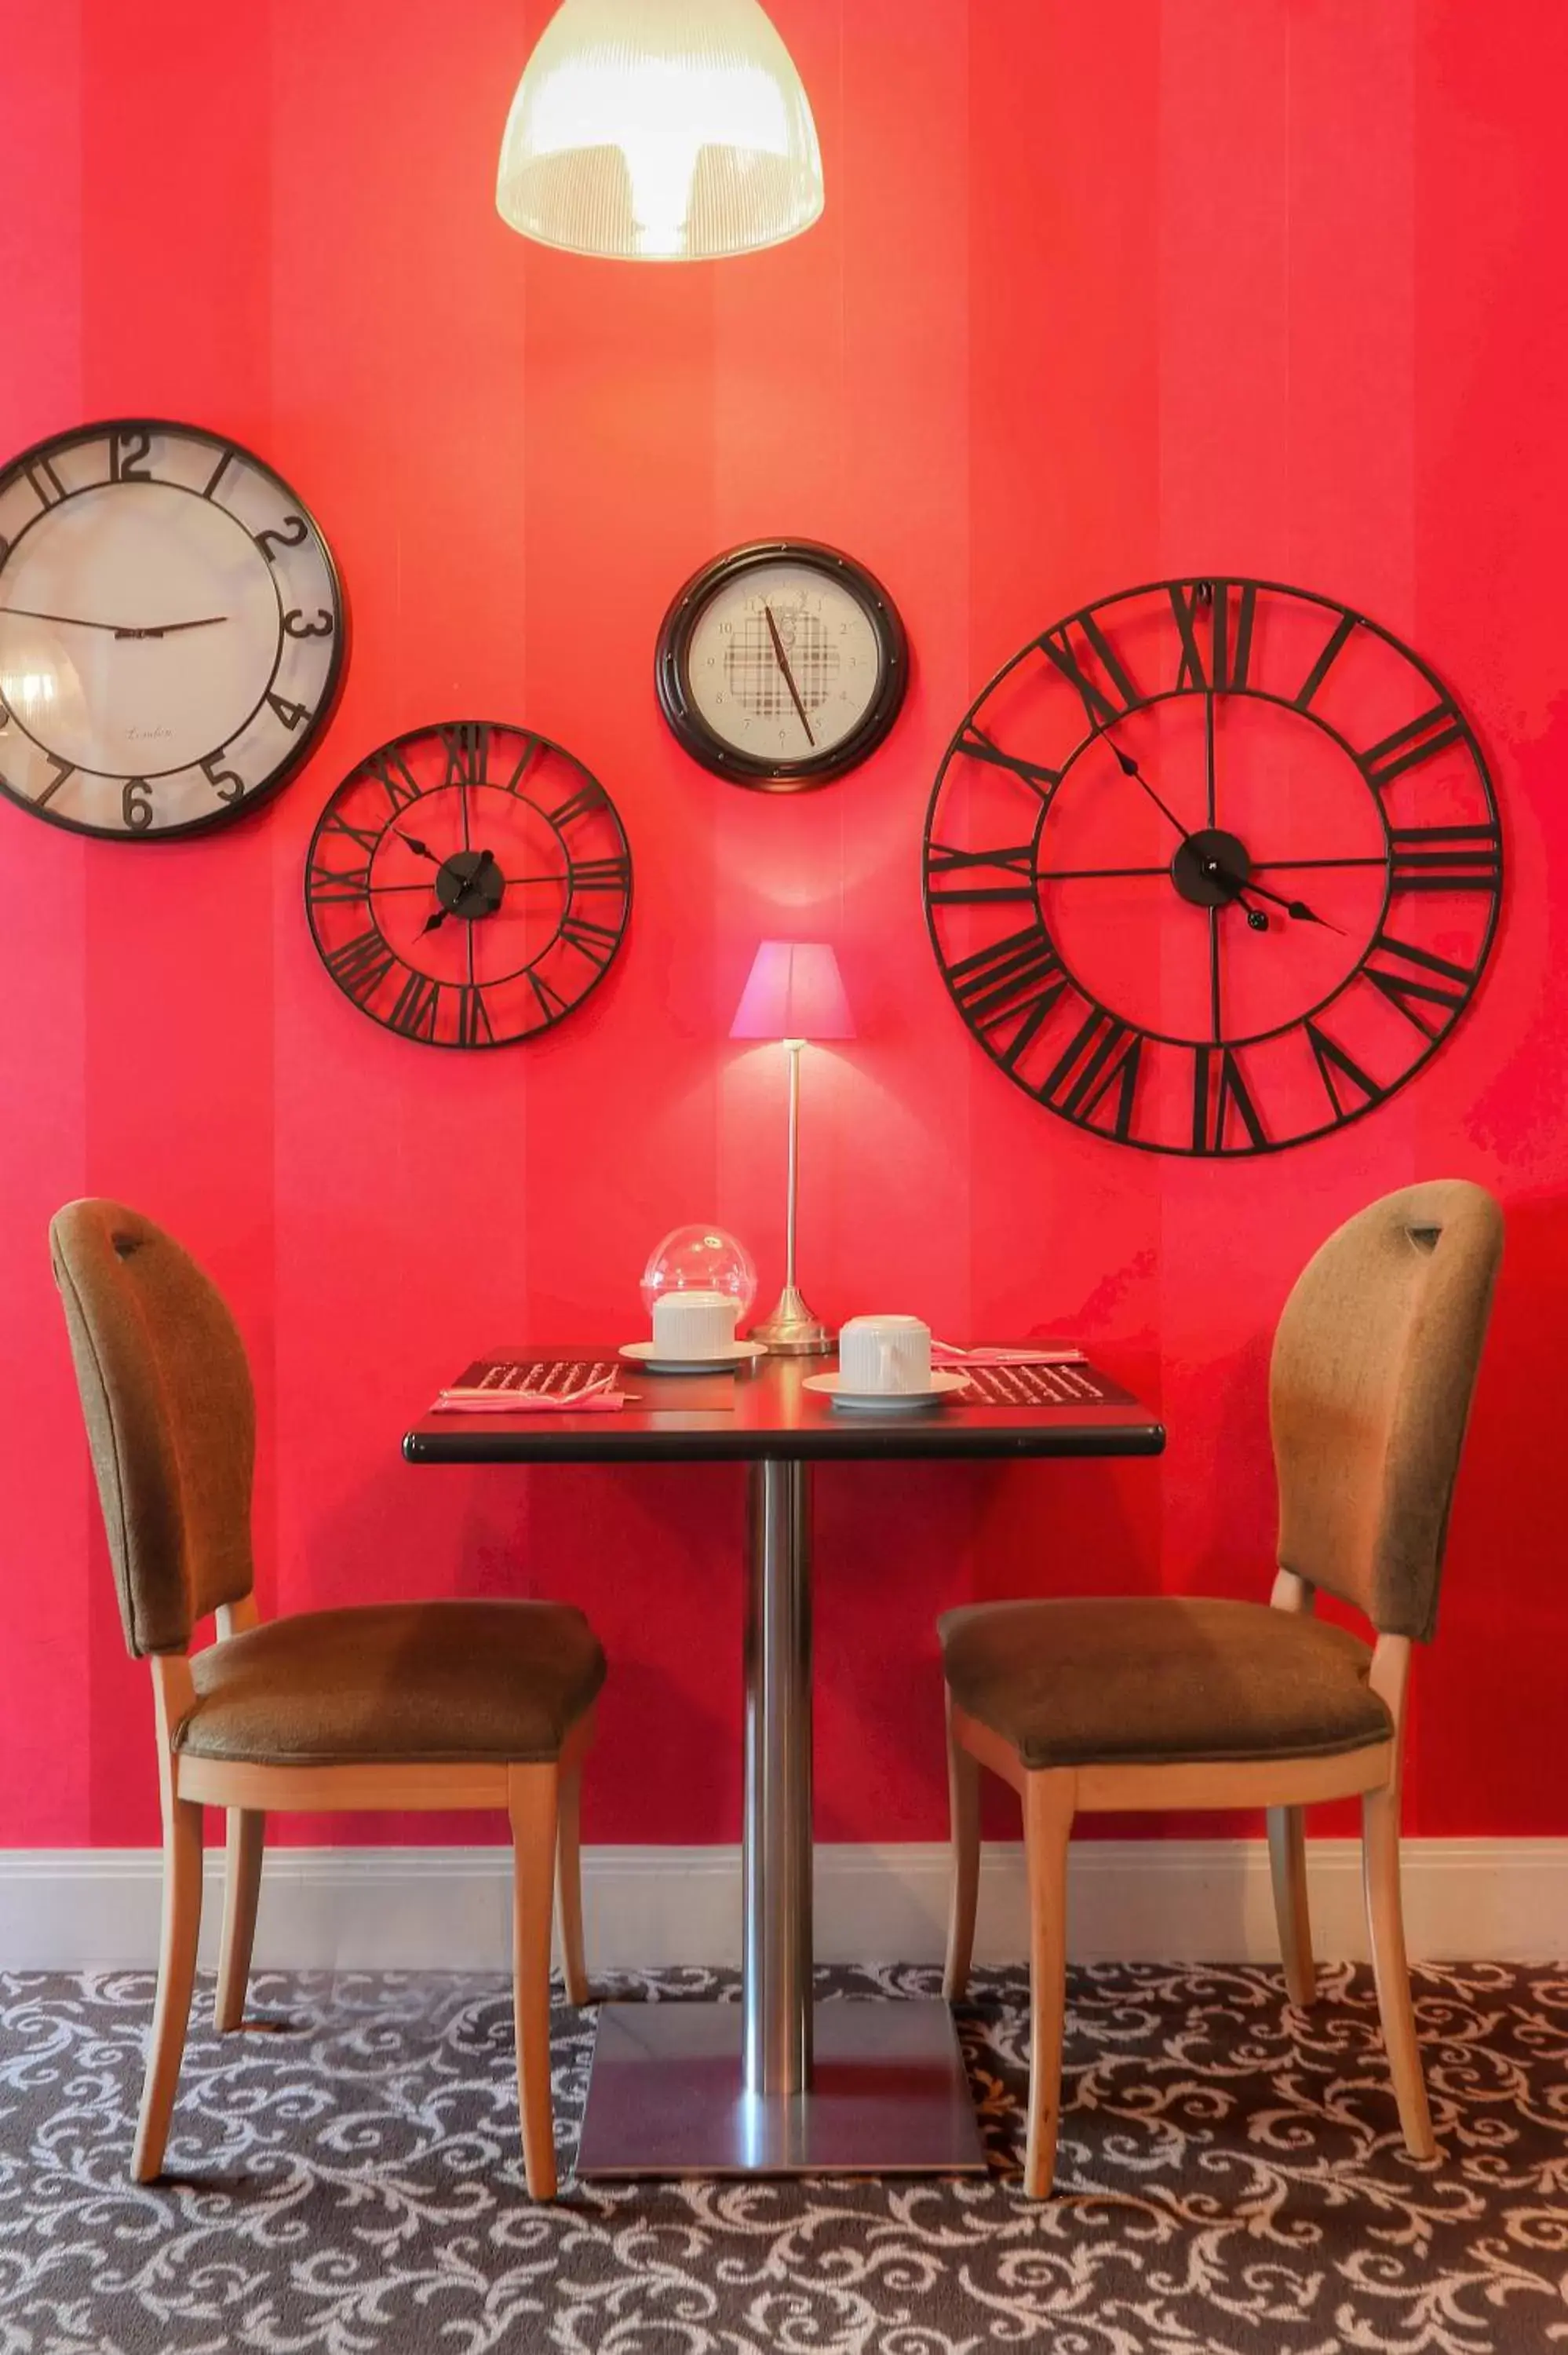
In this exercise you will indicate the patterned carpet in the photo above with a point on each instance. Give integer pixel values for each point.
(1231, 2177)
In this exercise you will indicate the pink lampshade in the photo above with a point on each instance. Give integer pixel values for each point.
(793, 991)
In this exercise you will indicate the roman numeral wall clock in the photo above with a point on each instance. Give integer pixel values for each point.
(171, 630)
(468, 885)
(1213, 866)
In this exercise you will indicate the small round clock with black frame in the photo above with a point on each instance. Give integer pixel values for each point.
(468, 884)
(172, 629)
(781, 665)
(1213, 866)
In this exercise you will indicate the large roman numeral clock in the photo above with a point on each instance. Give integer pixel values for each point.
(1213, 866)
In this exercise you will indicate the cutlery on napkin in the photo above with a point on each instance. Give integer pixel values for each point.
(1048, 1353)
(600, 1397)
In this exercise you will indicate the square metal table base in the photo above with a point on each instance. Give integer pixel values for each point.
(888, 2096)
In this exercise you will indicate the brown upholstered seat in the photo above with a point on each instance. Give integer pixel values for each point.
(1157, 1679)
(432, 1682)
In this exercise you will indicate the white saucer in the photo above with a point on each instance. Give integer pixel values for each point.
(832, 1387)
(646, 1353)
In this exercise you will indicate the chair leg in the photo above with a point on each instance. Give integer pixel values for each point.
(963, 1815)
(1386, 1922)
(569, 1884)
(532, 1805)
(246, 1833)
(176, 1980)
(1047, 1826)
(1287, 1870)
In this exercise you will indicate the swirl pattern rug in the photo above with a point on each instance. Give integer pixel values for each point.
(347, 2180)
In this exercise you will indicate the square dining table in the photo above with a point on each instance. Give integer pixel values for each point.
(779, 2085)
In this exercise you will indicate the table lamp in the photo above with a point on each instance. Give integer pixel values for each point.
(793, 994)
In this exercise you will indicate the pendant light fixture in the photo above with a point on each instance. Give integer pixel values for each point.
(660, 131)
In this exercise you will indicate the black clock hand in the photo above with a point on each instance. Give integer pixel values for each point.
(72, 621)
(1298, 909)
(167, 629)
(1129, 768)
(783, 662)
(414, 844)
(77, 622)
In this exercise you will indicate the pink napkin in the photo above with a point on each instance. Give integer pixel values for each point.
(1049, 1353)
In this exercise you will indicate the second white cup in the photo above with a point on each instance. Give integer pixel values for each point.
(884, 1357)
(694, 1324)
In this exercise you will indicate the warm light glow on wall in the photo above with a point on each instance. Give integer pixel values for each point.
(660, 131)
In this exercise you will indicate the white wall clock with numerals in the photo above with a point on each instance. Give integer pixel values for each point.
(172, 629)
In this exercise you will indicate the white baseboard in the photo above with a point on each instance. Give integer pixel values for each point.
(429, 1908)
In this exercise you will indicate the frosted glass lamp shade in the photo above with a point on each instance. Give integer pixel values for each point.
(660, 131)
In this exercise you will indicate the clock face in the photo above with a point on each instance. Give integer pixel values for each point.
(170, 629)
(781, 665)
(1213, 866)
(468, 885)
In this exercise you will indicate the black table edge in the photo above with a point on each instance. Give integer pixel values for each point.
(860, 1443)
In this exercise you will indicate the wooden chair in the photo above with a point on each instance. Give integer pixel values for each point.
(1171, 1702)
(453, 1704)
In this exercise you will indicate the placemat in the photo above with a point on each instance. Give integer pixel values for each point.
(1074, 1385)
(557, 1371)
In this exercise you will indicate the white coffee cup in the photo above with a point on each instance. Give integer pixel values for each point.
(694, 1324)
(884, 1357)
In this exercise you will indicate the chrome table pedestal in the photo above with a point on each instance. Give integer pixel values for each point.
(778, 2085)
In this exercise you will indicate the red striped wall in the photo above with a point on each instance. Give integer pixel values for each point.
(1100, 294)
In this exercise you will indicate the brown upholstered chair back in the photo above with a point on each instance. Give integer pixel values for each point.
(165, 1391)
(1374, 1364)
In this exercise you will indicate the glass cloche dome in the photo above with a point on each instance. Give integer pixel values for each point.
(701, 1259)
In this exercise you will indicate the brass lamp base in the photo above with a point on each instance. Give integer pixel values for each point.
(792, 1331)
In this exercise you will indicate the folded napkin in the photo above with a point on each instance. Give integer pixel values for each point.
(1047, 1353)
(597, 1401)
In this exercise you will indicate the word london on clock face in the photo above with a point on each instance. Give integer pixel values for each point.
(1213, 866)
